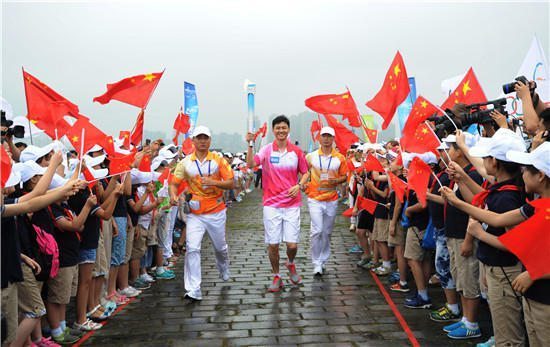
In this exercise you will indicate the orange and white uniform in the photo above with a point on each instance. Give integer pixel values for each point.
(323, 200)
(208, 214)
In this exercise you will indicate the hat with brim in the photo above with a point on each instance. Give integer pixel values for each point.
(539, 158)
(29, 169)
(201, 130)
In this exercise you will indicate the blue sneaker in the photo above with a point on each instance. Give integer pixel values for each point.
(166, 275)
(355, 249)
(451, 327)
(417, 302)
(463, 333)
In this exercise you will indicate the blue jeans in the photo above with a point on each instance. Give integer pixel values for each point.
(118, 250)
(442, 262)
(87, 256)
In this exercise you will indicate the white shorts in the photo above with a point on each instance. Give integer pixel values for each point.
(281, 224)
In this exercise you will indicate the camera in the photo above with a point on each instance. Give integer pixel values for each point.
(16, 131)
(509, 87)
(443, 126)
(480, 114)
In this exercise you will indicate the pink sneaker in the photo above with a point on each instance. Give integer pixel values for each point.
(45, 342)
(118, 299)
(276, 285)
(294, 277)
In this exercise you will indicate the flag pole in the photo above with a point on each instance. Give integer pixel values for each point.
(444, 150)
(150, 95)
(27, 99)
(81, 150)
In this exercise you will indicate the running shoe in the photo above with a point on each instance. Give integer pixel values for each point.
(370, 265)
(147, 278)
(488, 343)
(129, 292)
(363, 262)
(382, 271)
(48, 342)
(140, 284)
(417, 302)
(444, 314)
(165, 275)
(398, 287)
(276, 285)
(355, 249)
(463, 333)
(318, 270)
(451, 327)
(193, 296)
(64, 339)
(294, 277)
(88, 325)
(225, 275)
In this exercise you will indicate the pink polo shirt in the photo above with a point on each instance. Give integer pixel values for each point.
(280, 173)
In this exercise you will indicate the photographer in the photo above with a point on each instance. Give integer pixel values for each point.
(532, 105)
(7, 135)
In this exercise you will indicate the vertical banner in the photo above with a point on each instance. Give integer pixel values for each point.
(191, 107)
(250, 89)
(405, 108)
(368, 120)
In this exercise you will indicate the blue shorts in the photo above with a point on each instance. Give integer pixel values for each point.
(87, 256)
(118, 249)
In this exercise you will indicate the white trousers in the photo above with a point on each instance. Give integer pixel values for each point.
(323, 214)
(164, 239)
(197, 225)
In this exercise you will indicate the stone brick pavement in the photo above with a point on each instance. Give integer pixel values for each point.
(343, 308)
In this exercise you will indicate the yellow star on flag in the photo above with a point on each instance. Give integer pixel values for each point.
(149, 77)
(424, 104)
(396, 70)
(34, 121)
(424, 130)
(466, 87)
(345, 96)
(74, 138)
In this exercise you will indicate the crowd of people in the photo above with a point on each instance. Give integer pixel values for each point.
(72, 229)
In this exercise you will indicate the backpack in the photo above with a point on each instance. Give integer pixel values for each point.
(47, 256)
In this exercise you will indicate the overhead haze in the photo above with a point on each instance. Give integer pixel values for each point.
(291, 49)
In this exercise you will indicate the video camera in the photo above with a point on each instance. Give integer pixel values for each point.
(443, 126)
(480, 114)
(16, 131)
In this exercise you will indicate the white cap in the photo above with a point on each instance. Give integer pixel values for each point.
(57, 181)
(14, 179)
(93, 161)
(201, 129)
(29, 169)
(33, 153)
(158, 161)
(503, 141)
(139, 177)
(95, 148)
(443, 146)
(427, 157)
(228, 154)
(327, 130)
(469, 139)
(168, 152)
(539, 157)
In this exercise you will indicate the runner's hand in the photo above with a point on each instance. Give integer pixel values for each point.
(249, 137)
(293, 192)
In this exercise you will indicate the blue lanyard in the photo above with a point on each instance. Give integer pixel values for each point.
(199, 168)
(321, 164)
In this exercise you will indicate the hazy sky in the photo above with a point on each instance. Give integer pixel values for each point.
(291, 49)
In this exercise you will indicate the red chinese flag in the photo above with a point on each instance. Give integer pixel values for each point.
(421, 140)
(398, 186)
(145, 163)
(418, 178)
(89, 177)
(109, 145)
(399, 159)
(121, 163)
(137, 132)
(372, 134)
(181, 123)
(530, 240)
(92, 136)
(315, 129)
(261, 131)
(372, 164)
(46, 108)
(336, 104)
(125, 136)
(188, 147)
(393, 92)
(468, 92)
(164, 175)
(344, 137)
(5, 166)
(366, 204)
(421, 110)
(134, 90)
(348, 213)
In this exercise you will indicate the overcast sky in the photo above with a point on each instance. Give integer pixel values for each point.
(291, 49)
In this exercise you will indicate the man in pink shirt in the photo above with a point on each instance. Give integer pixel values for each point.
(282, 164)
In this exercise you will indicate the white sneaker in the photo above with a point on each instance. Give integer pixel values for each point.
(226, 275)
(194, 296)
(88, 325)
(249, 191)
(129, 292)
(147, 278)
(318, 270)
